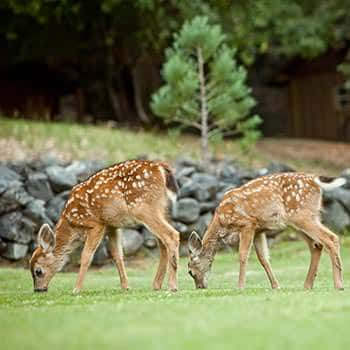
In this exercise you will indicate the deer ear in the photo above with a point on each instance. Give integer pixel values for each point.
(46, 238)
(194, 243)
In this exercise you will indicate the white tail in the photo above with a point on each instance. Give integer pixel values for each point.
(329, 184)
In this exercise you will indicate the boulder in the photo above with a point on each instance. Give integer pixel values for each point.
(186, 210)
(149, 240)
(15, 251)
(35, 210)
(339, 194)
(16, 227)
(185, 172)
(346, 175)
(60, 178)
(39, 187)
(132, 241)
(55, 206)
(336, 217)
(275, 167)
(201, 224)
(188, 189)
(7, 174)
(206, 182)
(181, 228)
(13, 197)
(83, 169)
(228, 171)
(101, 255)
(204, 207)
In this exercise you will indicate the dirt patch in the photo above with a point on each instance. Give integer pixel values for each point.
(328, 157)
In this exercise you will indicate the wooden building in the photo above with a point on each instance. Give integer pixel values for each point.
(306, 99)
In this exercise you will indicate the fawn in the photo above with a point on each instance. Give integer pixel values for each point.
(128, 193)
(268, 203)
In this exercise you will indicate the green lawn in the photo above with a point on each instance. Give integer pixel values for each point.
(219, 318)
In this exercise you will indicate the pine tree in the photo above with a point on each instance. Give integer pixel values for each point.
(205, 88)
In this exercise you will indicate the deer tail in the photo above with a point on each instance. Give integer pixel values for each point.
(330, 183)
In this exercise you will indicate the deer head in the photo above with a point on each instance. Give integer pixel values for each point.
(43, 261)
(198, 265)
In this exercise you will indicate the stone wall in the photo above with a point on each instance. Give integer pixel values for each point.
(32, 193)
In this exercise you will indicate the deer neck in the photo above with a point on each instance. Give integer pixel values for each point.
(64, 243)
(211, 241)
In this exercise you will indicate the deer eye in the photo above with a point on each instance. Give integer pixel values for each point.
(38, 272)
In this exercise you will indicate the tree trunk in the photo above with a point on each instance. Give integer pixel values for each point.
(205, 155)
(138, 98)
(112, 96)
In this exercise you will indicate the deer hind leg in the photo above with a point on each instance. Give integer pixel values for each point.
(162, 267)
(245, 243)
(315, 251)
(116, 250)
(262, 253)
(93, 239)
(171, 240)
(319, 233)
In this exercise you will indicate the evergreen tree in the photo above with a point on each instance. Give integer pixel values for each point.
(204, 87)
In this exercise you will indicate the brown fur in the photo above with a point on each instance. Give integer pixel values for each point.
(268, 203)
(128, 193)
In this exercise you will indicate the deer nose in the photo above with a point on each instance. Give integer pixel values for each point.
(40, 290)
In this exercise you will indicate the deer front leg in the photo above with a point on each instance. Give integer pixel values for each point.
(116, 250)
(162, 267)
(262, 253)
(245, 243)
(315, 251)
(93, 240)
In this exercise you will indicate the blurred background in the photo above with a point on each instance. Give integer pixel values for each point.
(98, 61)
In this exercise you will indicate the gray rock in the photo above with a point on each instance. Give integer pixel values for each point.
(13, 197)
(181, 181)
(185, 172)
(186, 210)
(15, 251)
(55, 206)
(336, 217)
(101, 255)
(181, 228)
(16, 227)
(7, 174)
(228, 171)
(39, 187)
(346, 175)
(339, 194)
(188, 189)
(186, 161)
(3, 247)
(60, 178)
(206, 186)
(206, 206)
(201, 224)
(149, 239)
(132, 241)
(275, 167)
(83, 169)
(35, 210)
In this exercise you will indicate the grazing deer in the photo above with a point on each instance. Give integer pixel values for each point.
(269, 203)
(133, 192)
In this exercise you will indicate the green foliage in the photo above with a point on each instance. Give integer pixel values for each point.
(227, 98)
